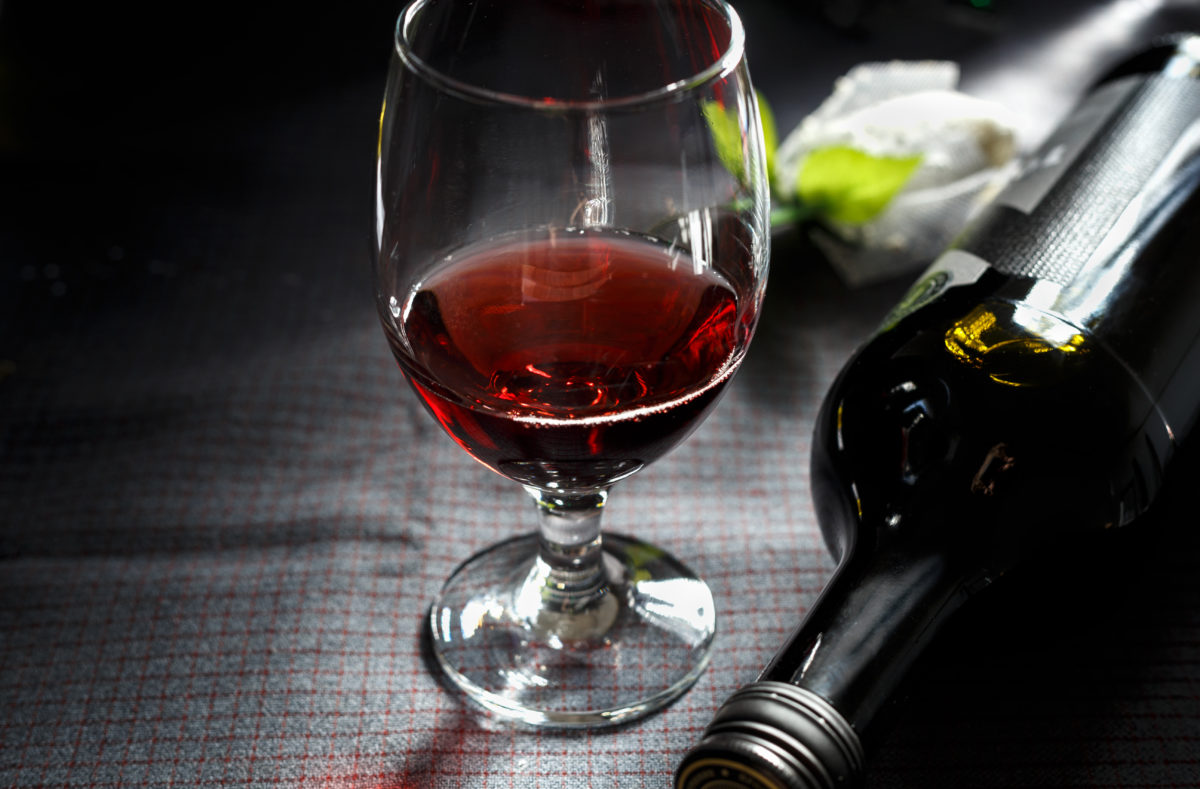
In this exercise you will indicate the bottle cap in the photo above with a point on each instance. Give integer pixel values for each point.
(772, 735)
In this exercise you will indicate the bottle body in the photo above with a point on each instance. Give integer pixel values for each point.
(1033, 385)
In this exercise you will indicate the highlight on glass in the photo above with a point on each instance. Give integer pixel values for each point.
(570, 255)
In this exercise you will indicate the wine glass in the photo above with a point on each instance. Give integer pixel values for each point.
(570, 252)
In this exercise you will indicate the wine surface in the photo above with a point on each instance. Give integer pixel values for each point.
(573, 358)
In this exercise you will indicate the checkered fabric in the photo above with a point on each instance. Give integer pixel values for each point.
(223, 517)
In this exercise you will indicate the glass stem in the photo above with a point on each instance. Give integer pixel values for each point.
(566, 595)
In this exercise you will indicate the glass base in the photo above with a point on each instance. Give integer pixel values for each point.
(504, 633)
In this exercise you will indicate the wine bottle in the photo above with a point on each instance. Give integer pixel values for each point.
(1033, 385)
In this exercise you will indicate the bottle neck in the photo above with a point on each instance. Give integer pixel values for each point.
(872, 622)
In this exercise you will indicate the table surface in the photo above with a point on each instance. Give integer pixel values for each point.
(223, 515)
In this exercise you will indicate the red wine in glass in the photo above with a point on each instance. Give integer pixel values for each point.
(570, 357)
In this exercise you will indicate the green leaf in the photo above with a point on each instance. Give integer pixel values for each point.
(784, 213)
(848, 185)
(770, 135)
(727, 134)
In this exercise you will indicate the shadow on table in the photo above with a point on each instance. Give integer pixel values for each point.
(1081, 667)
(218, 472)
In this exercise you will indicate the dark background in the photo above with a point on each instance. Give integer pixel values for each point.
(130, 134)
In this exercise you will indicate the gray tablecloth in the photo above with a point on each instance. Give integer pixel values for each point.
(223, 515)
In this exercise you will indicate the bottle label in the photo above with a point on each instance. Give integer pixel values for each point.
(1043, 169)
(1099, 179)
(953, 268)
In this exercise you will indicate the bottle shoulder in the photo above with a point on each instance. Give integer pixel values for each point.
(980, 422)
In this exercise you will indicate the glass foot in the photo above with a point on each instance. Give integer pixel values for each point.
(504, 632)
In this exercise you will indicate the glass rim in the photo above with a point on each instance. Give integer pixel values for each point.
(721, 66)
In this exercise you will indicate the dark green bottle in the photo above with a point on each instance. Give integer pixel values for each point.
(1033, 385)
